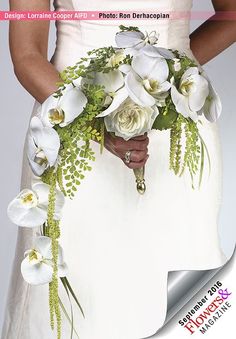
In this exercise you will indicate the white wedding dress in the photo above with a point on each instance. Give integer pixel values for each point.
(119, 245)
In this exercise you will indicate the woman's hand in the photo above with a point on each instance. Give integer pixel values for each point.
(137, 145)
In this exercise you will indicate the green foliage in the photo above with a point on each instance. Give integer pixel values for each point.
(95, 61)
(175, 145)
(185, 63)
(53, 232)
(76, 152)
(192, 148)
(128, 29)
(59, 174)
(166, 117)
(189, 155)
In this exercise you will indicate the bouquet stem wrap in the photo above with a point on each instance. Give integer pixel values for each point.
(139, 175)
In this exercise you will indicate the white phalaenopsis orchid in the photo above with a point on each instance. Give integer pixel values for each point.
(191, 94)
(37, 267)
(213, 107)
(147, 83)
(135, 42)
(62, 111)
(43, 146)
(157, 52)
(113, 83)
(135, 39)
(130, 120)
(29, 208)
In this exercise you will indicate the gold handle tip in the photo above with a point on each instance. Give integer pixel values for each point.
(141, 187)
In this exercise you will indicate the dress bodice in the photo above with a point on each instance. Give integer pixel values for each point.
(74, 38)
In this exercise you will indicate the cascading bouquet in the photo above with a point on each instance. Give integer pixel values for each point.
(125, 90)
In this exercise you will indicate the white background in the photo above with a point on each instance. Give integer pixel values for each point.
(16, 107)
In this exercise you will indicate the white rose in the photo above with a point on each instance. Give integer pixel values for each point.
(130, 120)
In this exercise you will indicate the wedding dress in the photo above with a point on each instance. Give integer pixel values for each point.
(119, 245)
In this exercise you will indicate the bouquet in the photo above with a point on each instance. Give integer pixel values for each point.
(125, 90)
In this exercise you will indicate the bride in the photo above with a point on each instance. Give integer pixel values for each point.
(119, 246)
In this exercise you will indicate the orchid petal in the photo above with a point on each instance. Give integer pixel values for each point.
(36, 127)
(151, 51)
(62, 270)
(125, 68)
(25, 217)
(137, 92)
(50, 143)
(129, 39)
(119, 97)
(181, 104)
(62, 266)
(60, 255)
(160, 52)
(112, 81)
(45, 138)
(38, 274)
(213, 107)
(151, 68)
(59, 203)
(43, 245)
(50, 103)
(199, 92)
(164, 86)
(37, 169)
(132, 51)
(189, 73)
(155, 113)
(42, 191)
(165, 53)
(72, 103)
(77, 82)
(32, 148)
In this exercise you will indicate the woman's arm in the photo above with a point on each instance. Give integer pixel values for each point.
(214, 36)
(29, 48)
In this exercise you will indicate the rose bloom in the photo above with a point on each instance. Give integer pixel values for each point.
(130, 120)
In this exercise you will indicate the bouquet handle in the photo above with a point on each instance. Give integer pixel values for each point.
(139, 175)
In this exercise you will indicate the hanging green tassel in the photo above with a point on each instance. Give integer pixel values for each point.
(54, 234)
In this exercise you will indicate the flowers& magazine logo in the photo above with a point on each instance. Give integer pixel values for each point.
(208, 310)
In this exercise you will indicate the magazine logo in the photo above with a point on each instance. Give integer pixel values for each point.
(210, 314)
